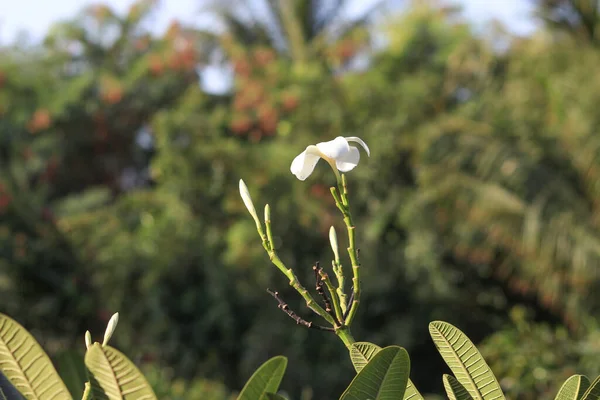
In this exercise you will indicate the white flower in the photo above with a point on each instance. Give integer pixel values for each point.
(337, 152)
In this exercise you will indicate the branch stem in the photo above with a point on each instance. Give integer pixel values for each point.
(294, 282)
(341, 200)
(334, 298)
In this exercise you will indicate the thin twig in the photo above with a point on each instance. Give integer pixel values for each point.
(319, 287)
(283, 306)
(333, 296)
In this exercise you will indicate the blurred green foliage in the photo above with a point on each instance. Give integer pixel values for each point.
(119, 176)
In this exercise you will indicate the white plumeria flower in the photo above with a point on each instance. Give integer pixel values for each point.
(337, 152)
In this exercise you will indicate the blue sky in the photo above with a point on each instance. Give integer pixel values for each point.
(35, 16)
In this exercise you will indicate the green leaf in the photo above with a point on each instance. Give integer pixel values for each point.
(593, 392)
(383, 378)
(113, 376)
(266, 379)
(362, 352)
(454, 389)
(573, 388)
(411, 392)
(465, 361)
(71, 368)
(25, 364)
(273, 396)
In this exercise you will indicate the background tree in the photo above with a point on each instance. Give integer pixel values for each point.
(301, 30)
(576, 18)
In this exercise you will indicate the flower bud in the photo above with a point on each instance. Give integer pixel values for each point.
(245, 194)
(334, 243)
(88, 339)
(110, 328)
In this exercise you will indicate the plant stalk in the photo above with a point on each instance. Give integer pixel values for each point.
(342, 203)
(345, 335)
(334, 297)
(294, 282)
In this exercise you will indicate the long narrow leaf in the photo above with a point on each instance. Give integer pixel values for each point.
(573, 388)
(113, 376)
(383, 378)
(273, 396)
(25, 364)
(71, 368)
(465, 361)
(454, 389)
(362, 352)
(593, 392)
(411, 392)
(266, 379)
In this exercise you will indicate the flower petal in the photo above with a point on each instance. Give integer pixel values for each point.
(361, 142)
(349, 160)
(305, 162)
(334, 148)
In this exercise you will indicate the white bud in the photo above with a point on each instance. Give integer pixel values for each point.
(110, 328)
(245, 194)
(88, 339)
(267, 213)
(334, 243)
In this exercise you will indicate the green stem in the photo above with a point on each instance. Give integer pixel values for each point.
(344, 192)
(294, 282)
(334, 298)
(87, 392)
(356, 301)
(336, 198)
(341, 200)
(346, 336)
(268, 240)
(339, 274)
(336, 264)
(355, 270)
